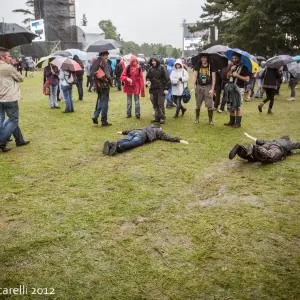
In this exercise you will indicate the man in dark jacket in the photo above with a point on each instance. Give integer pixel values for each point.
(138, 137)
(158, 80)
(102, 87)
(265, 152)
(118, 73)
(79, 77)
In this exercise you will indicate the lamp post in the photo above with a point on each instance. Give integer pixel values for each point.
(183, 35)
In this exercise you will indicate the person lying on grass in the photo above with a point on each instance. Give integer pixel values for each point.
(265, 152)
(138, 137)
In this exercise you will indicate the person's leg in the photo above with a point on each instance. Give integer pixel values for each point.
(209, 101)
(51, 96)
(70, 93)
(81, 89)
(104, 107)
(176, 101)
(133, 141)
(161, 106)
(154, 100)
(239, 111)
(293, 90)
(91, 83)
(12, 111)
(217, 97)
(272, 97)
(87, 81)
(199, 100)
(97, 109)
(6, 131)
(137, 106)
(2, 112)
(129, 106)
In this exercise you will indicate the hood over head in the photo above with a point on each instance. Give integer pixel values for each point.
(158, 59)
(171, 62)
(178, 62)
(132, 59)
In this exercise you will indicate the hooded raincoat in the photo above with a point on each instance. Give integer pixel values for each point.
(136, 75)
(178, 85)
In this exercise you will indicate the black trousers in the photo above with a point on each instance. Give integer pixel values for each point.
(270, 96)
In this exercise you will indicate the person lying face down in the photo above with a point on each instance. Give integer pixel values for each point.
(138, 137)
(263, 151)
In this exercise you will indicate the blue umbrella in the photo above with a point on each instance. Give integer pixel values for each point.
(296, 58)
(248, 60)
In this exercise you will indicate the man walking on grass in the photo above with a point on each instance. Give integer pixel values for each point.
(10, 95)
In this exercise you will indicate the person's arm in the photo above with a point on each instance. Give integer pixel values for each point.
(296, 145)
(195, 75)
(47, 72)
(213, 75)
(173, 78)
(240, 77)
(124, 76)
(167, 81)
(163, 136)
(16, 75)
(125, 132)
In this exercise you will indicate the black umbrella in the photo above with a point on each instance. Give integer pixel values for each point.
(217, 61)
(103, 45)
(13, 35)
(294, 69)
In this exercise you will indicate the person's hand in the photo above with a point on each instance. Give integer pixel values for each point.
(119, 132)
(180, 79)
(184, 142)
(233, 68)
(166, 92)
(211, 93)
(235, 74)
(192, 91)
(129, 80)
(148, 83)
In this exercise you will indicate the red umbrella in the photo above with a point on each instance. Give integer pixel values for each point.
(66, 64)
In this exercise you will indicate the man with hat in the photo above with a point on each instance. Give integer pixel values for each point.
(101, 73)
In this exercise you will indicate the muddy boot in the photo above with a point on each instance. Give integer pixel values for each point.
(231, 122)
(234, 151)
(210, 116)
(238, 121)
(260, 106)
(270, 111)
(197, 116)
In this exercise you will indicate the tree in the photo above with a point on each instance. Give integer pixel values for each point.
(176, 53)
(27, 12)
(131, 47)
(110, 30)
(257, 26)
(84, 20)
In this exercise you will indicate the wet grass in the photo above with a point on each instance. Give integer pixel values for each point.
(165, 221)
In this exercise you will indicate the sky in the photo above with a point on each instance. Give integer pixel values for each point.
(154, 21)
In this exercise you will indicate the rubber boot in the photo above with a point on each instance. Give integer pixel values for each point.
(231, 122)
(260, 106)
(238, 121)
(197, 116)
(210, 116)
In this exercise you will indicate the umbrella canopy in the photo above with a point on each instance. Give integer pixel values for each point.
(103, 45)
(81, 54)
(277, 62)
(43, 62)
(294, 69)
(217, 61)
(261, 58)
(217, 49)
(13, 35)
(248, 60)
(296, 58)
(63, 54)
(66, 64)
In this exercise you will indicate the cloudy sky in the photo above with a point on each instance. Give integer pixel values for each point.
(152, 21)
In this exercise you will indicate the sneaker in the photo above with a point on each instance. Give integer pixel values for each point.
(291, 99)
(24, 143)
(234, 151)
(105, 124)
(95, 121)
(220, 111)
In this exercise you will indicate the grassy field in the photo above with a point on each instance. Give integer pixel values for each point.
(164, 221)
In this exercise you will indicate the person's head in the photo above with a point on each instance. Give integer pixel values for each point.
(134, 62)
(263, 64)
(103, 55)
(236, 58)
(154, 62)
(4, 55)
(204, 60)
(178, 66)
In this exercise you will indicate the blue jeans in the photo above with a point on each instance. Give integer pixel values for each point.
(67, 92)
(53, 96)
(102, 106)
(134, 139)
(169, 98)
(259, 94)
(6, 129)
(137, 105)
(177, 100)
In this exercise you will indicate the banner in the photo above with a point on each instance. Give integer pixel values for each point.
(38, 27)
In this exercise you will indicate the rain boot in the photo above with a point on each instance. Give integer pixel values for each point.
(197, 116)
(210, 116)
(231, 122)
(238, 121)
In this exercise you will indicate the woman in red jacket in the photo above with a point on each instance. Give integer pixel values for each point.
(133, 79)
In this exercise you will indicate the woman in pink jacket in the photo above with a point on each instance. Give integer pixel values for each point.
(133, 79)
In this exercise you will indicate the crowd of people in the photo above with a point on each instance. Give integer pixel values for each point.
(167, 83)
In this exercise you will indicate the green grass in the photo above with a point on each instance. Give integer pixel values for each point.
(164, 221)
